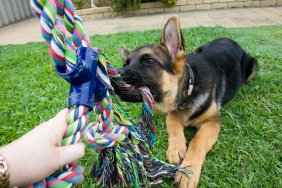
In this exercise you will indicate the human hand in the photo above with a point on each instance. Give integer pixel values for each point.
(39, 153)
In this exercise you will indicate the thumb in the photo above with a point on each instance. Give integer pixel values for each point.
(60, 121)
(71, 153)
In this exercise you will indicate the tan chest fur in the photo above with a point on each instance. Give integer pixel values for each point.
(185, 115)
(170, 89)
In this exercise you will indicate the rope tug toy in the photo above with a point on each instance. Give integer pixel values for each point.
(124, 147)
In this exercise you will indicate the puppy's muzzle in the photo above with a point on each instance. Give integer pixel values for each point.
(131, 77)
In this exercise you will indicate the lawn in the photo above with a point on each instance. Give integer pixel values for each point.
(249, 150)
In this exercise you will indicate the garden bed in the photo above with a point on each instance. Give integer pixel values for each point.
(180, 6)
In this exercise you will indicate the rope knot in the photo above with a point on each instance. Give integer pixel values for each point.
(102, 133)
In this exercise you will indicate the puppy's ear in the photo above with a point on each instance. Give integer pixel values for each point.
(125, 55)
(172, 37)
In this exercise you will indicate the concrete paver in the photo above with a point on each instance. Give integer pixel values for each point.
(243, 22)
(264, 21)
(225, 22)
(277, 11)
(29, 30)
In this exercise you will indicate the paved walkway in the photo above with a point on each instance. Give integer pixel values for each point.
(29, 30)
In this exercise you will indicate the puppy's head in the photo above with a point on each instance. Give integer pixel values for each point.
(157, 66)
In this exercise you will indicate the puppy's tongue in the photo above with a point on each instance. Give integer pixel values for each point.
(145, 89)
(126, 87)
(129, 87)
(146, 93)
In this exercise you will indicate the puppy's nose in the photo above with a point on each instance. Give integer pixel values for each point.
(121, 71)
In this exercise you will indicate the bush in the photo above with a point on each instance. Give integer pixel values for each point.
(101, 3)
(81, 4)
(123, 5)
(146, 1)
(169, 2)
(119, 5)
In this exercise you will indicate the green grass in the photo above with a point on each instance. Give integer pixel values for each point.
(248, 153)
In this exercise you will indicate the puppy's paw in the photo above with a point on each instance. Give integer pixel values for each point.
(184, 181)
(176, 152)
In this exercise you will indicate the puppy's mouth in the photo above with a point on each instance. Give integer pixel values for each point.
(137, 81)
(132, 80)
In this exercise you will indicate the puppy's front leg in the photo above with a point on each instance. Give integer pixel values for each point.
(194, 158)
(176, 140)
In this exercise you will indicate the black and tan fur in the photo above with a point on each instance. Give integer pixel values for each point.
(219, 67)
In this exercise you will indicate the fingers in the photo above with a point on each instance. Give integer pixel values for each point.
(60, 121)
(61, 117)
(71, 153)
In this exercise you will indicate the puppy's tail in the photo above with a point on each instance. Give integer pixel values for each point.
(249, 67)
(253, 69)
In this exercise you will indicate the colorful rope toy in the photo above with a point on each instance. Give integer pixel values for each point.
(124, 147)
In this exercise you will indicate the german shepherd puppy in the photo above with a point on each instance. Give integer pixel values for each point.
(191, 89)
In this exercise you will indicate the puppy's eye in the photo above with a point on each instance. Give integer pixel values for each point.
(150, 61)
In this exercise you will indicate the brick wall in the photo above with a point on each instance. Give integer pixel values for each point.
(181, 6)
